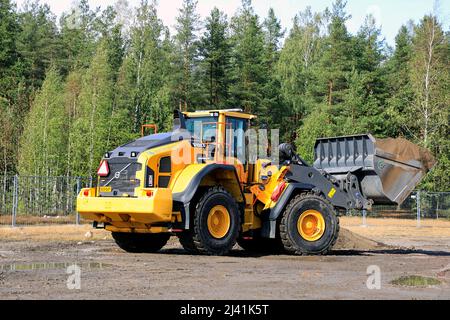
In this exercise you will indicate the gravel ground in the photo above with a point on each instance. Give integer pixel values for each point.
(35, 267)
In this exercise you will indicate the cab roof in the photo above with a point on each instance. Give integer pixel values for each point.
(236, 113)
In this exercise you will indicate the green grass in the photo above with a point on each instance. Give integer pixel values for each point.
(416, 281)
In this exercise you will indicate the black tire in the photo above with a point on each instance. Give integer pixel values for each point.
(141, 242)
(261, 245)
(292, 240)
(187, 241)
(198, 240)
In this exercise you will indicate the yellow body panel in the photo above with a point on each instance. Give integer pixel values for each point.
(136, 229)
(157, 208)
(251, 220)
(152, 157)
(274, 179)
(185, 176)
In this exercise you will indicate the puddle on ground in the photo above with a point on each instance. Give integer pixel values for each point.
(50, 266)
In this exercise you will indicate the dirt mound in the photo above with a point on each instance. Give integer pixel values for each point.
(351, 241)
(405, 151)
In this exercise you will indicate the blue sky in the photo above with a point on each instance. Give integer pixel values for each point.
(390, 14)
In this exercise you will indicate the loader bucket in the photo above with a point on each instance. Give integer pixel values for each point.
(388, 170)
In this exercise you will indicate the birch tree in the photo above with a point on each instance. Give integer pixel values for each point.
(89, 131)
(429, 113)
(429, 79)
(43, 142)
(144, 82)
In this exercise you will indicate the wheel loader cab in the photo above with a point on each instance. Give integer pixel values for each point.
(223, 135)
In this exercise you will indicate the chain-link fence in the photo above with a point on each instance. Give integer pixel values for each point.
(27, 200)
(429, 205)
(421, 204)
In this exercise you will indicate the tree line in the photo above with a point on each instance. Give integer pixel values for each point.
(73, 88)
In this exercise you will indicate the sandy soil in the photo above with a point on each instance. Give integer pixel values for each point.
(34, 261)
(430, 235)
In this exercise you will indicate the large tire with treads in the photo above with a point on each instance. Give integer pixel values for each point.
(216, 224)
(309, 225)
(141, 242)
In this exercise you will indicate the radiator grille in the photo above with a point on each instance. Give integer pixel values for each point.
(121, 179)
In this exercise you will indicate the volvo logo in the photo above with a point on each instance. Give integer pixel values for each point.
(117, 174)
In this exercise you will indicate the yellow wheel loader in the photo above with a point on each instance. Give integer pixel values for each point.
(203, 183)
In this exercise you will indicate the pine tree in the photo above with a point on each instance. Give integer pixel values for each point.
(400, 94)
(111, 32)
(10, 87)
(248, 70)
(188, 23)
(272, 104)
(215, 51)
(77, 37)
(43, 142)
(273, 34)
(365, 98)
(9, 28)
(37, 42)
(11, 69)
(329, 87)
(336, 60)
(7, 133)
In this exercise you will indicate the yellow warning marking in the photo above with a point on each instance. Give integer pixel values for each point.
(105, 189)
(332, 193)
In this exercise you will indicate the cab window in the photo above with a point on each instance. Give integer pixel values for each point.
(203, 128)
(235, 138)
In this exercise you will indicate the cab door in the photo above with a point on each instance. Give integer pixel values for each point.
(235, 145)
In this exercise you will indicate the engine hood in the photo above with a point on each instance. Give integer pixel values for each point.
(145, 143)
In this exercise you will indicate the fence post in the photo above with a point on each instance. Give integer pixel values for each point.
(15, 200)
(437, 208)
(364, 222)
(418, 208)
(78, 192)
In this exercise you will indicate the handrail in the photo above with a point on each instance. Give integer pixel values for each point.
(149, 126)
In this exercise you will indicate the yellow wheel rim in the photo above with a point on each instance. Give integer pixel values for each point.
(219, 222)
(311, 225)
